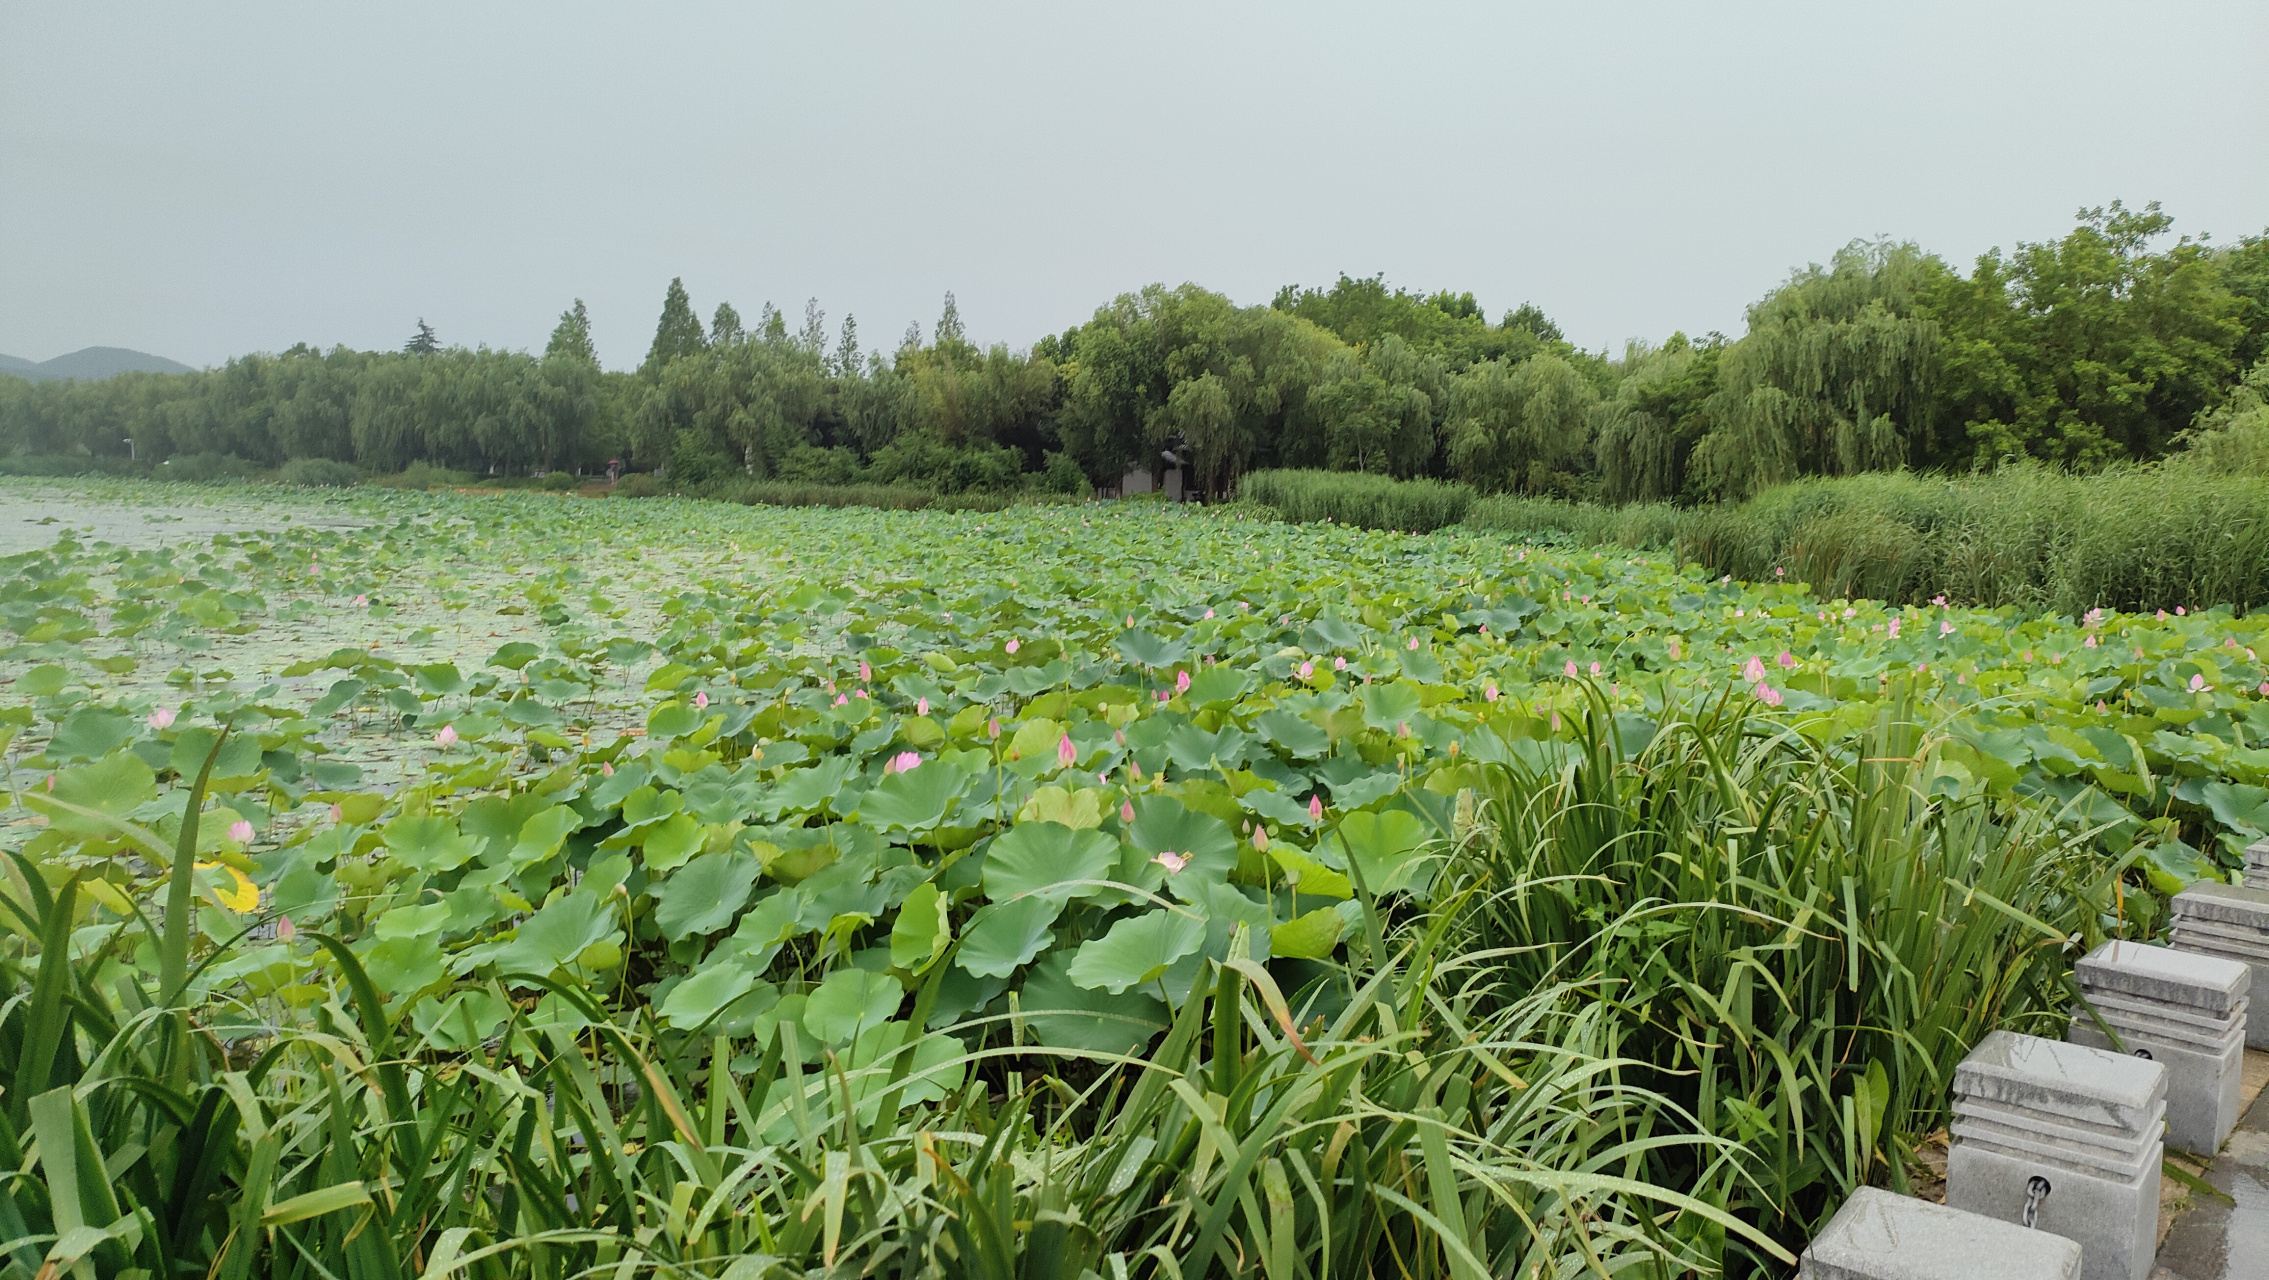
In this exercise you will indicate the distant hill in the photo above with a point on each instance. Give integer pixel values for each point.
(92, 364)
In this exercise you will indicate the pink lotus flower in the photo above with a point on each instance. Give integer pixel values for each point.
(1571, 668)
(1103, 779)
(1595, 668)
(1740, 612)
(2162, 615)
(447, 737)
(1851, 613)
(1066, 753)
(336, 814)
(1339, 664)
(1894, 628)
(1675, 653)
(1779, 572)
(1181, 682)
(841, 701)
(2088, 643)
(903, 762)
(866, 672)
(1754, 671)
(1945, 628)
(1013, 645)
(362, 602)
(2265, 688)
(1787, 660)
(1316, 808)
(1126, 811)
(1172, 861)
(1767, 694)
(1413, 645)
(1555, 722)
(858, 693)
(2198, 684)
(2179, 611)
(1489, 694)
(1260, 839)
(1307, 670)
(1939, 601)
(284, 930)
(1209, 615)
(701, 701)
(240, 831)
(993, 728)
(162, 718)
(607, 769)
(921, 706)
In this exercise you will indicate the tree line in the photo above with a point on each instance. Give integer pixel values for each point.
(2107, 345)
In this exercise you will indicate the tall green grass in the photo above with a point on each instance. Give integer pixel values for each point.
(1646, 526)
(2136, 539)
(1357, 498)
(748, 491)
(1798, 943)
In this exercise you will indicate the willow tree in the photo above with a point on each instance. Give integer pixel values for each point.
(1513, 427)
(1834, 376)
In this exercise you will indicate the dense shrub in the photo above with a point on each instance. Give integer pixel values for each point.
(640, 485)
(1357, 498)
(558, 482)
(2136, 538)
(326, 473)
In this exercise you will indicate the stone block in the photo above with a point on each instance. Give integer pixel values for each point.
(2257, 865)
(1881, 1236)
(2116, 1224)
(2230, 923)
(2086, 1122)
(2202, 1086)
(2165, 975)
(2182, 1009)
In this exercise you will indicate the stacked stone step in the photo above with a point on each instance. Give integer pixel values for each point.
(2229, 923)
(2178, 1008)
(2065, 1139)
(2257, 865)
(1881, 1236)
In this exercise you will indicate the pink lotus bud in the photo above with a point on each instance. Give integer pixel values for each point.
(1066, 753)
(607, 769)
(2088, 643)
(842, 700)
(1768, 695)
(1787, 660)
(1779, 572)
(240, 831)
(1316, 808)
(1013, 645)
(993, 728)
(1894, 628)
(1172, 861)
(701, 701)
(1555, 722)
(1402, 730)
(921, 706)
(903, 762)
(1595, 668)
(1181, 682)
(447, 737)
(1260, 839)
(162, 718)
(1571, 668)
(1163, 695)
(1413, 645)
(1754, 672)
(362, 602)
(1209, 615)
(2180, 611)
(1489, 694)
(1339, 664)
(2198, 684)
(1126, 811)
(1307, 670)
(866, 672)
(284, 930)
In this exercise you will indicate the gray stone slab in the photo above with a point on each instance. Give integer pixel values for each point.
(2183, 1023)
(2032, 1138)
(2163, 973)
(1881, 1236)
(2203, 938)
(2257, 865)
(2202, 1088)
(2115, 1223)
(2054, 1078)
(2224, 903)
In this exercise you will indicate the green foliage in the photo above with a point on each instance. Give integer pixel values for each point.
(1362, 501)
(327, 473)
(1310, 894)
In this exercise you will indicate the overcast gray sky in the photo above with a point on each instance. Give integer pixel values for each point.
(203, 180)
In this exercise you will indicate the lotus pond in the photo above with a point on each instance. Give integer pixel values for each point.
(968, 806)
